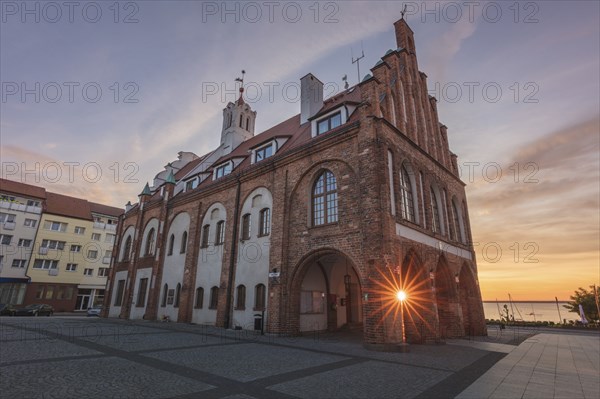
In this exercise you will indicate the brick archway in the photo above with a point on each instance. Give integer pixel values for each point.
(325, 293)
(446, 297)
(470, 303)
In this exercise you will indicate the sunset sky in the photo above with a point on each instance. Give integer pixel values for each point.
(541, 132)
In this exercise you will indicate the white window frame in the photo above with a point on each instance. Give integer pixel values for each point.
(223, 167)
(271, 144)
(71, 267)
(88, 272)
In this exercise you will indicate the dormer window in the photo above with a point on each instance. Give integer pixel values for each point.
(331, 122)
(263, 152)
(223, 170)
(191, 184)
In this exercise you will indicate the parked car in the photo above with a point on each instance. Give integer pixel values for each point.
(7, 309)
(36, 309)
(94, 311)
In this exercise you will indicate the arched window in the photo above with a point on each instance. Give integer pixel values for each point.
(241, 119)
(259, 297)
(205, 233)
(393, 110)
(214, 298)
(177, 294)
(456, 224)
(171, 243)
(325, 199)
(406, 196)
(436, 224)
(150, 242)
(264, 227)
(403, 103)
(127, 251)
(163, 303)
(240, 298)
(199, 298)
(246, 227)
(247, 124)
(183, 242)
(220, 237)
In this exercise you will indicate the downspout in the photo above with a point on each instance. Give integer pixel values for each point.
(232, 260)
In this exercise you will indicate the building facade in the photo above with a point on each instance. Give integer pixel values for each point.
(64, 258)
(313, 224)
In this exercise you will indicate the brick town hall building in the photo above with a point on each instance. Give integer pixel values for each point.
(317, 221)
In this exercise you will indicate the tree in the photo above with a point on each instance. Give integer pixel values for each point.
(587, 300)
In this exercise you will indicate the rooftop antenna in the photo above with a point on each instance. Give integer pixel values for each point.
(345, 80)
(357, 59)
(403, 12)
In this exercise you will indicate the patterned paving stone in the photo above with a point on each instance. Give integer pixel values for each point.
(245, 362)
(366, 380)
(16, 351)
(93, 378)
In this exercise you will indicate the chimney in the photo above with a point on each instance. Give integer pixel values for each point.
(311, 97)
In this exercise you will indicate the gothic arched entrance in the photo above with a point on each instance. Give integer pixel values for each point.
(472, 312)
(447, 301)
(327, 293)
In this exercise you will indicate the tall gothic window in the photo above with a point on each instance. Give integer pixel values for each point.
(240, 302)
(220, 236)
(127, 251)
(325, 199)
(177, 295)
(171, 243)
(246, 227)
(406, 196)
(264, 227)
(457, 236)
(259, 297)
(205, 234)
(184, 238)
(435, 212)
(150, 242)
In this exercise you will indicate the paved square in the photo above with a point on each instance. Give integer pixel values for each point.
(69, 357)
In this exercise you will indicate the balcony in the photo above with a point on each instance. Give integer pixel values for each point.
(43, 251)
(52, 272)
(20, 207)
(9, 225)
(106, 260)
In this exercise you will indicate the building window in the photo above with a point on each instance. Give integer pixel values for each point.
(79, 230)
(246, 227)
(205, 235)
(199, 298)
(177, 295)
(248, 124)
(325, 199)
(120, 292)
(264, 227)
(141, 297)
(184, 238)
(220, 238)
(223, 170)
(45, 264)
(7, 217)
(30, 223)
(24, 243)
(164, 298)
(39, 292)
(49, 292)
(5, 239)
(92, 254)
(191, 184)
(150, 242)
(19, 263)
(110, 238)
(263, 153)
(88, 272)
(331, 122)
(53, 244)
(214, 298)
(71, 267)
(33, 203)
(241, 120)
(406, 196)
(75, 248)
(103, 272)
(96, 236)
(259, 297)
(55, 226)
(171, 244)
(127, 251)
(240, 300)
(435, 212)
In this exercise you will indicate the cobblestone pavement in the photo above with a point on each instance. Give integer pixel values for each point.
(70, 357)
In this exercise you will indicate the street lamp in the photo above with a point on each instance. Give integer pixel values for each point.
(402, 296)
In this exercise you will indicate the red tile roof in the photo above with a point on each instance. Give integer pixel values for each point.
(26, 190)
(106, 210)
(63, 205)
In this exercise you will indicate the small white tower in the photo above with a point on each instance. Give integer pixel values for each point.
(238, 122)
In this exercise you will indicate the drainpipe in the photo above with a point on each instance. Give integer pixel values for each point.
(232, 260)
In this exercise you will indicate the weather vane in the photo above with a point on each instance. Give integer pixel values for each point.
(357, 59)
(241, 80)
(403, 12)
